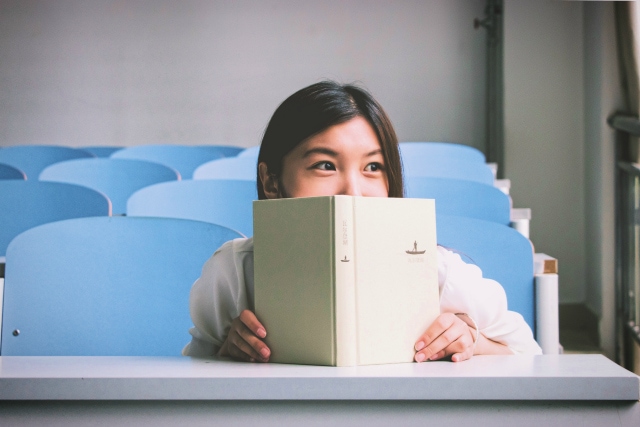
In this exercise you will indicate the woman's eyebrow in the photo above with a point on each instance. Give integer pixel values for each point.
(320, 150)
(374, 152)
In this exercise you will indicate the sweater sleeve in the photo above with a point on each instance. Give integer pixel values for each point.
(464, 290)
(218, 296)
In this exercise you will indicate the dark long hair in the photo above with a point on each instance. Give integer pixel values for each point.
(318, 107)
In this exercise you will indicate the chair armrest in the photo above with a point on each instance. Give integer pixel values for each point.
(546, 294)
(494, 168)
(503, 185)
(520, 219)
(543, 264)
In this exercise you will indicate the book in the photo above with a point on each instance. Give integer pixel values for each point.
(344, 280)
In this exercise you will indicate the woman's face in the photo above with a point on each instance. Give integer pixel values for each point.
(345, 159)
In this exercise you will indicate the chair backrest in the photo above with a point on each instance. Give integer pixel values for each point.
(225, 150)
(10, 172)
(502, 253)
(101, 150)
(463, 198)
(113, 286)
(250, 152)
(26, 204)
(117, 178)
(225, 202)
(183, 158)
(441, 150)
(244, 168)
(32, 159)
(448, 168)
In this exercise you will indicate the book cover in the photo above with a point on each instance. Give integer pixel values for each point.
(343, 280)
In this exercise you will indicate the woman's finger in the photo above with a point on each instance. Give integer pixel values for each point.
(441, 324)
(464, 355)
(447, 343)
(236, 353)
(243, 339)
(446, 336)
(258, 348)
(249, 319)
(229, 348)
(432, 342)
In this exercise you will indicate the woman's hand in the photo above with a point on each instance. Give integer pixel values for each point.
(244, 341)
(448, 335)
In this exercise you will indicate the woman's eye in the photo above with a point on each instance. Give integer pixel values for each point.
(325, 166)
(373, 167)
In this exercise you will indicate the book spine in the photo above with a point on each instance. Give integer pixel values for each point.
(345, 283)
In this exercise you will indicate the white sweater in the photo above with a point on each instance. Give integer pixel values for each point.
(225, 289)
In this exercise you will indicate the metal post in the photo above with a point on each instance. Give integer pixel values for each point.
(494, 143)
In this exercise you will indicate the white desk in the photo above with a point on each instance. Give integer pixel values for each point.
(503, 390)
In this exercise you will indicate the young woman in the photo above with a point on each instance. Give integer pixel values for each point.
(330, 139)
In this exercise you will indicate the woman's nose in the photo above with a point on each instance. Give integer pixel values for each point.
(351, 186)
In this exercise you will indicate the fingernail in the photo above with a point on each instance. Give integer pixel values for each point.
(420, 357)
(419, 346)
(264, 352)
(262, 333)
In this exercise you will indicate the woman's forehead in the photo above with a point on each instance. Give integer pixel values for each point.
(353, 135)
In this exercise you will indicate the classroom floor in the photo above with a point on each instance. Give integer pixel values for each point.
(577, 341)
(578, 329)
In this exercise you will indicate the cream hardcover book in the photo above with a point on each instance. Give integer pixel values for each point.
(343, 280)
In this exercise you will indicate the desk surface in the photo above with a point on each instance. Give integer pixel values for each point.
(546, 378)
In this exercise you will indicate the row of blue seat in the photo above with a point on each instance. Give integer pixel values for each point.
(119, 177)
(204, 162)
(228, 202)
(32, 159)
(24, 204)
(119, 285)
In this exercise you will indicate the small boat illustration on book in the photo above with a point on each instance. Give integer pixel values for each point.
(415, 250)
(345, 259)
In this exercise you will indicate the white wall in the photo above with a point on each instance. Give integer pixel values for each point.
(544, 129)
(212, 71)
(602, 98)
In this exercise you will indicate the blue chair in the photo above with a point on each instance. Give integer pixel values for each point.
(461, 197)
(32, 159)
(116, 178)
(225, 202)
(225, 150)
(110, 286)
(102, 150)
(250, 152)
(244, 168)
(502, 254)
(441, 150)
(27, 204)
(183, 158)
(10, 172)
